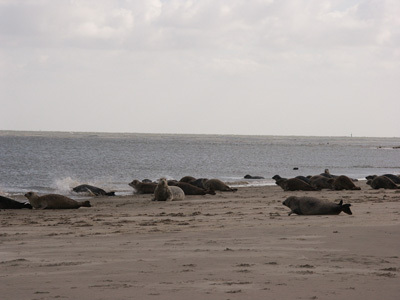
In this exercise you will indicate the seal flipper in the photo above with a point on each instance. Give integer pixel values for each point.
(346, 209)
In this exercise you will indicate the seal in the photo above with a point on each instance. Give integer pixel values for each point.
(392, 177)
(305, 179)
(320, 182)
(277, 177)
(143, 187)
(315, 206)
(253, 177)
(199, 183)
(86, 188)
(342, 182)
(163, 192)
(294, 184)
(187, 179)
(217, 185)
(382, 182)
(190, 189)
(8, 203)
(54, 201)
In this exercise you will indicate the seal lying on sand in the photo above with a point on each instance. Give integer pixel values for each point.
(86, 188)
(343, 182)
(392, 177)
(54, 201)
(187, 179)
(7, 203)
(314, 206)
(320, 182)
(163, 192)
(382, 182)
(294, 184)
(143, 187)
(217, 185)
(190, 189)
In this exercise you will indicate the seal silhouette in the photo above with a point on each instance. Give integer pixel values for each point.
(8, 203)
(86, 188)
(217, 185)
(315, 206)
(252, 177)
(143, 187)
(163, 192)
(392, 177)
(54, 201)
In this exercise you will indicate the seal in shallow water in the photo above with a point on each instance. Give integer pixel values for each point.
(54, 201)
(315, 206)
(86, 188)
(7, 203)
(163, 192)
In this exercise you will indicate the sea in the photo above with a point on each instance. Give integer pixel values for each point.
(55, 162)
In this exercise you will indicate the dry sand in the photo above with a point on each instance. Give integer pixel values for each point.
(239, 245)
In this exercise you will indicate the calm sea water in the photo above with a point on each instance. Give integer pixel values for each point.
(55, 162)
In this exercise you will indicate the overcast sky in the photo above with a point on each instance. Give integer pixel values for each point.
(261, 67)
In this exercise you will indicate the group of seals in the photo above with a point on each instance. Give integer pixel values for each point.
(54, 201)
(314, 206)
(189, 184)
(317, 182)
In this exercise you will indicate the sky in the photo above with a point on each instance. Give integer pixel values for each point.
(253, 67)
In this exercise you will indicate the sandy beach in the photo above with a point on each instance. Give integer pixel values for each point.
(240, 245)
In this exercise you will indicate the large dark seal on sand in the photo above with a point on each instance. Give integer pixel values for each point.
(314, 206)
(382, 182)
(54, 201)
(7, 203)
(320, 182)
(187, 179)
(392, 177)
(163, 192)
(217, 185)
(190, 189)
(294, 184)
(143, 187)
(93, 190)
(343, 182)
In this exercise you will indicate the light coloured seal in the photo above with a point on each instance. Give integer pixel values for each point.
(315, 206)
(54, 201)
(163, 192)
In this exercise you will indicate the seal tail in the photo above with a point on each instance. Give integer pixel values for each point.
(345, 207)
(86, 203)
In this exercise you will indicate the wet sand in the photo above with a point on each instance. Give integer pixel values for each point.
(239, 245)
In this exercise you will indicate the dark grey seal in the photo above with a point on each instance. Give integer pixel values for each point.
(253, 177)
(314, 206)
(86, 188)
(7, 203)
